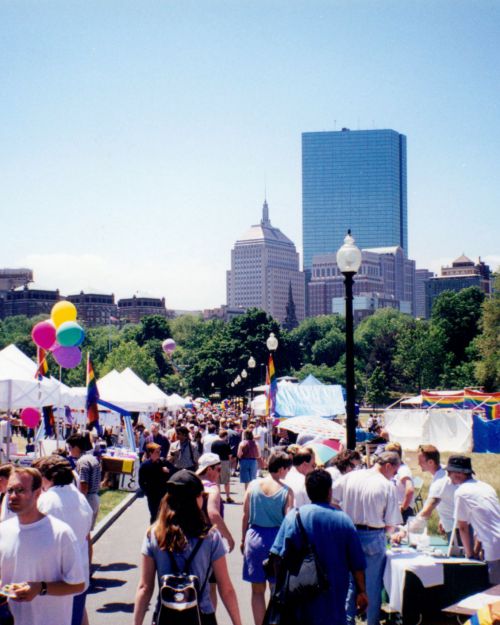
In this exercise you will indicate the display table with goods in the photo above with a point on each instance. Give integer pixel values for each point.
(122, 462)
(420, 583)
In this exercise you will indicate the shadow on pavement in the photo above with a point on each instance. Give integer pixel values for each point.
(118, 566)
(100, 584)
(117, 607)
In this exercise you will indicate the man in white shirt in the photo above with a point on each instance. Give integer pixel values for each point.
(477, 505)
(260, 437)
(38, 548)
(369, 497)
(210, 437)
(303, 463)
(441, 490)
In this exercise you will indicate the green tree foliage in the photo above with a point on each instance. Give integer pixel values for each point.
(129, 354)
(458, 315)
(378, 387)
(487, 367)
(17, 330)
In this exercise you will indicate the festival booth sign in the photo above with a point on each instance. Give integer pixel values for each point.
(447, 428)
(321, 400)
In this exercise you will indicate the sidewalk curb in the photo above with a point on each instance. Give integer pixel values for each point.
(110, 518)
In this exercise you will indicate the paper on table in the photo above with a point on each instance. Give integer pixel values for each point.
(479, 600)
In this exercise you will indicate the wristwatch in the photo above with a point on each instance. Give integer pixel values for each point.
(43, 589)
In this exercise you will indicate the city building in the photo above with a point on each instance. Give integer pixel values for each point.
(13, 278)
(353, 179)
(421, 277)
(133, 309)
(95, 309)
(462, 274)
(29, 302)
(386, 279)
(222, 312)
(264, 263)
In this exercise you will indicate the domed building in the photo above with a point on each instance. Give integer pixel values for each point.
(265, 271)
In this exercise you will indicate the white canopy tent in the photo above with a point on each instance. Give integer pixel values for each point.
(321, 400)
(115, 389)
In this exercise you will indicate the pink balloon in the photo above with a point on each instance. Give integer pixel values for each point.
(168, 346)
(44, 334)
(30, 417)
(67, 357)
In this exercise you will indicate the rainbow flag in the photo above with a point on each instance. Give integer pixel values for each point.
(92, 397)
(41, 359)
(436, 399)
(272, 383)
(488, 402)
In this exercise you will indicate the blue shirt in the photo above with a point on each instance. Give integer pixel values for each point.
(211, 550)
(339, 551)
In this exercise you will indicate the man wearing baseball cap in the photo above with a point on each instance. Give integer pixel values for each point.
(476, 504)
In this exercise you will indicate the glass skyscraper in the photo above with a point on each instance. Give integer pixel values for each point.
(353, 179)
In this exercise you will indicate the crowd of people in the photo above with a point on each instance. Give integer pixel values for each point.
(347, 511)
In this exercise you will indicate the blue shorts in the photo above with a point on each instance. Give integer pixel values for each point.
(248, 470)
(258, 543)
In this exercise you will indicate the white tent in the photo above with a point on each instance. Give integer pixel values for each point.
(19, 388)
(114, 389)
(175, 402)
(132, 379)
(160, 395)
(259, 405)
(447, 428)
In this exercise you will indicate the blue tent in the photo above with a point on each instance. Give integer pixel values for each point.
(486, 435)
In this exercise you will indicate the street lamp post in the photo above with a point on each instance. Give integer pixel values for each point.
(251, 365)
(244, 376)
(349, 262)
(272, 346)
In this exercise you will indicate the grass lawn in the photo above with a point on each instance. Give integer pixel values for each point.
(109, 499)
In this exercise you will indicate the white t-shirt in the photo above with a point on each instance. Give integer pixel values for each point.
(297, 482)
(68, 504)
(46, 550)
(208, 439)
(259, 434)
(368, 498)
(477, 503)
(441, 488)
(404, 472)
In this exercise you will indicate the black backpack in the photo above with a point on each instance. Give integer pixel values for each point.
(180, 592)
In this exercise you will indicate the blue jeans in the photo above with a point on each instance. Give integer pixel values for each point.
(373, 543)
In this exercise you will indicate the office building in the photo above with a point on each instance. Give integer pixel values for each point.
(462, 274)
(14, 278)
(421, 277)
(353, 180)
(264, 263)
(385, 279)
(28, 302)
(95, 309)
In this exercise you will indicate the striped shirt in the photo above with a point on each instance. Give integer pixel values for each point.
(89, 470)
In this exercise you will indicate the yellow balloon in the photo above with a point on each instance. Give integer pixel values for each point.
(63, 311)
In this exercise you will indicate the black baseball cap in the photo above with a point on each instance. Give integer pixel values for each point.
(185, 481)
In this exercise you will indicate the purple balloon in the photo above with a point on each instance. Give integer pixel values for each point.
(67, 357)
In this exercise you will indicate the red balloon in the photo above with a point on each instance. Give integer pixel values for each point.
(30, 417)
(44, 334)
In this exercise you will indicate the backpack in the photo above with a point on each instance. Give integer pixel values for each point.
(180, 592)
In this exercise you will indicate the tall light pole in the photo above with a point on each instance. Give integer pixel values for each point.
(349, 262)
(251, 365)
(272, 346)
(244, 376)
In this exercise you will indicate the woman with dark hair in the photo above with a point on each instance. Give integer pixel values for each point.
(180, 524)
(266, 504)
(248, 455)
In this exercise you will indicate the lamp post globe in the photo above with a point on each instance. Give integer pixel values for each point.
(349, 262)
(272, 343)
(251, 363)
(244, 373)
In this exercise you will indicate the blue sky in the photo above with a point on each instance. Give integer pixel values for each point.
(137, 137)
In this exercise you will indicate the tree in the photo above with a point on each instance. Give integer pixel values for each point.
(291, 317)
(377, 391)
(488, 342)
(129, 354)
(458, 315)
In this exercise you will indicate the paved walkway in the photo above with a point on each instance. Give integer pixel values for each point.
(117, 556)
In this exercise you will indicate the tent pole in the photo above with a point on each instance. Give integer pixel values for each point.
(9, 417)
